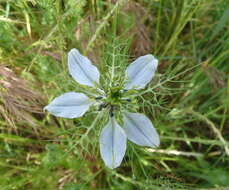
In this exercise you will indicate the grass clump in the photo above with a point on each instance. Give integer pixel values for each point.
(188, 100)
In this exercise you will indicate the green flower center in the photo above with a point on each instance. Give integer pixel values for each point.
(114, 96)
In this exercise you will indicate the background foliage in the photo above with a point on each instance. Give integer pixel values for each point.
(188, 100)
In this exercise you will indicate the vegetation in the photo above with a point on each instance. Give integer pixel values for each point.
(187, 101)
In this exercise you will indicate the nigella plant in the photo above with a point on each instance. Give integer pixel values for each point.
(135, 127)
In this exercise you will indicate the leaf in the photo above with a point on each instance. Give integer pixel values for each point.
(69, 105)
(112, 144)
(140, 72)
(81, 69)
(140, 130)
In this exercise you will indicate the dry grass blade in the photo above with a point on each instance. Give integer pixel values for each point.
(175, 152)
(141, 42)
(213, 128)
(17, 99)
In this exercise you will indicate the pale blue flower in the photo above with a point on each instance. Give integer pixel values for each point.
(136, 127)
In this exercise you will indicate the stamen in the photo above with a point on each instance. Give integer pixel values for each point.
(103, 105)
(111, 112)
(98, 97)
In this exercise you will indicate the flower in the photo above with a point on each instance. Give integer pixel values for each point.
(113, 138)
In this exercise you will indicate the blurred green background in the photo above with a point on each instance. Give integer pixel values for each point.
(188, 100)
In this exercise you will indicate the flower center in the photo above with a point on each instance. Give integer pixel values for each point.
(114, 96)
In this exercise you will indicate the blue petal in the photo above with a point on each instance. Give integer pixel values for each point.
(140, 72)
(69, 105)
(81, 69)
(112, 144)
(140, 130)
